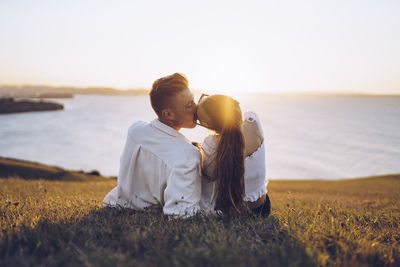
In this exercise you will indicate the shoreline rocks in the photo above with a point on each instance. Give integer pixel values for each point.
(10, 105)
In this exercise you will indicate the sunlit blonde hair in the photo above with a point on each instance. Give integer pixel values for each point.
(164, 89)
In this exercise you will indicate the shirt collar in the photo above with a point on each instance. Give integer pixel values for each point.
(168, 130)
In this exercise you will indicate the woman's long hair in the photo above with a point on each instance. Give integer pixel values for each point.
(229, 172)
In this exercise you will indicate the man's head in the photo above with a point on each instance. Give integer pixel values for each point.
(173, 102)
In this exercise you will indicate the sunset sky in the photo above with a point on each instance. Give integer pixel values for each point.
(227, 46)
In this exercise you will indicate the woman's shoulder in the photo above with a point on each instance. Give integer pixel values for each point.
(252, 117)
(209, 143)
(250, 114)
(252, 131)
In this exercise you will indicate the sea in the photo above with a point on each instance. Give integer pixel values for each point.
(306, 137)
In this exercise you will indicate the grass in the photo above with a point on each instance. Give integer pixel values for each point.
(313, 223)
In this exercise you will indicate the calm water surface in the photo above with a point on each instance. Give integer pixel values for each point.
(306, 136)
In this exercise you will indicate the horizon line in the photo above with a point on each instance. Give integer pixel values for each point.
(284, 93)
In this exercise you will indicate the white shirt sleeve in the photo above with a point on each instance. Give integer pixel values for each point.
(209, 146)
(255, 171)
(207, 186)
(183, 190)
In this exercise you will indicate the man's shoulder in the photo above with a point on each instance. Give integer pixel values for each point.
(171, 149)
(141, 130)
(183, 153)
(138, 125)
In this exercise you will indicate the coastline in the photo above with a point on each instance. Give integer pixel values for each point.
(30, 170)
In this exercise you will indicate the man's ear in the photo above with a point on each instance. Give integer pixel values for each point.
(167, 114)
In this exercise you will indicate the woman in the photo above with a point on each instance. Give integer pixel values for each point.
(233, 158)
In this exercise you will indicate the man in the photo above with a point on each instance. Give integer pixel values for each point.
(159, 167)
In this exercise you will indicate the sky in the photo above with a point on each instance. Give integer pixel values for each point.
(223, 46)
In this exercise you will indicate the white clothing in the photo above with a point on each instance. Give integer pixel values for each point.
(159, 168)
(254, 176)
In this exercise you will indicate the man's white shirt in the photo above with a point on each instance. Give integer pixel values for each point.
(159, 168)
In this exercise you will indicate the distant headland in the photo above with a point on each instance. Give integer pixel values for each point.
(10, 105)
(44, 91)
(53, 95)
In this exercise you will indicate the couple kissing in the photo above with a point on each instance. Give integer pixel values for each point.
(161, 170)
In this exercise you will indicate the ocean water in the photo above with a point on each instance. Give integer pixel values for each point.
(307, 137)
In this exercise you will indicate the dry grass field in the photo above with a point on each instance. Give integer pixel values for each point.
(313, 223)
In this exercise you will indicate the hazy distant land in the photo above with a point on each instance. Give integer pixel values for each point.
(9, 94)
(44, 91)
(326, 94)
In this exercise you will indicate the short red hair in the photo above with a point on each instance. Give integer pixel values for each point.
(164, 89)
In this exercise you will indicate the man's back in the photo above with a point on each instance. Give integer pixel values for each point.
(159, 168)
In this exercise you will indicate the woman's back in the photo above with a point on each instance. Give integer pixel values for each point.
(254, 178)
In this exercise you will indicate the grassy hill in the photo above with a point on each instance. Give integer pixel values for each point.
(31, 170)
(56, 222)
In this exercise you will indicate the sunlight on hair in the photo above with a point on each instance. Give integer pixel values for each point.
(227, 110)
